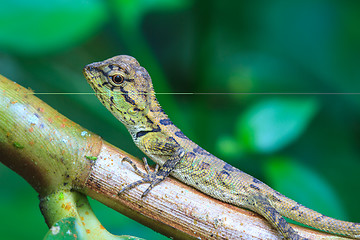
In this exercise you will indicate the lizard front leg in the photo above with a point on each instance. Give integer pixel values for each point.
(157, 145)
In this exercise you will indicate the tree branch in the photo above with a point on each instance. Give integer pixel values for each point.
(55, 154)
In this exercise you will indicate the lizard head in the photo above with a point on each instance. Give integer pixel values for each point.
(123, 86)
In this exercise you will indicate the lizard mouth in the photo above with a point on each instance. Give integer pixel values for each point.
(88, 71)
(92, 69)
(92, 74)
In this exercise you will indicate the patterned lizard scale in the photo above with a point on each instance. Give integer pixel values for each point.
(125, 89)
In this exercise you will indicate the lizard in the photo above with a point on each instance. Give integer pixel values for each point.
(125, 88)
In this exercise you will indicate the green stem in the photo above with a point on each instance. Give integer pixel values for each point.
(50, 152)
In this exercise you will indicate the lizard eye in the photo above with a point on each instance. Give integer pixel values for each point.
(117, 79)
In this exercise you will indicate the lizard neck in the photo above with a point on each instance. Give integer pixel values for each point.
(161, 122)
(149, 119)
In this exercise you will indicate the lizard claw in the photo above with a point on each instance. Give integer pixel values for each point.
(136, 169)
(148, 177)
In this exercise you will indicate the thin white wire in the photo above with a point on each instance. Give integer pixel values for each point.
(213, 93)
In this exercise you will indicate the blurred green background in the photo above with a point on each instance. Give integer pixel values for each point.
(305, 146)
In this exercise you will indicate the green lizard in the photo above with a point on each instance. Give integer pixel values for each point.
(126, 90)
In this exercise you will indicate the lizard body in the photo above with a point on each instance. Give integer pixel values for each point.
(126, 90)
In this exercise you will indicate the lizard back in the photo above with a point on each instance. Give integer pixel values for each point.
(125, 89)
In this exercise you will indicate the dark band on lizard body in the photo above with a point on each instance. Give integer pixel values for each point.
(125, 88)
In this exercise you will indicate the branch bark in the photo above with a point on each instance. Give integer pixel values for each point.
(53, 153)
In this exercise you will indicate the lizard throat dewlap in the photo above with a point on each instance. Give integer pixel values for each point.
(125, 89)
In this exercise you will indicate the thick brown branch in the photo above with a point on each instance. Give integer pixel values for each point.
(173, 205)
(51, 153)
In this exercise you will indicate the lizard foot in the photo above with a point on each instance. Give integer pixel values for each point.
(148, 177)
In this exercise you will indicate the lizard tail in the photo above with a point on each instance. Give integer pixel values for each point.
(297, 212)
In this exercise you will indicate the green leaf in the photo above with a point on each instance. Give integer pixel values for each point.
(305, 186)
(274, 123)
(41, 26)
(91, 158)
(65, 229)
(228, 147)
(131, 12)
